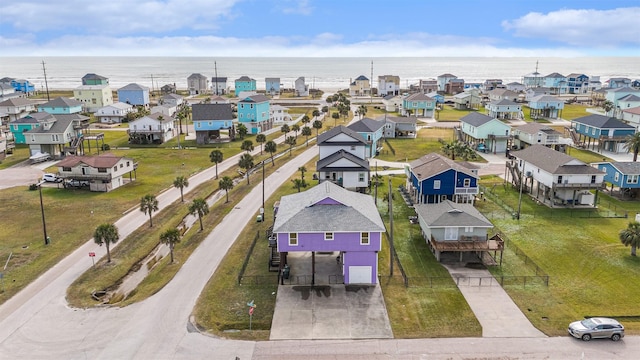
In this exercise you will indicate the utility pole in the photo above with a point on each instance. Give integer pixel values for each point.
(215, 69)
(44, 70)
(371, 85)
(391, 250)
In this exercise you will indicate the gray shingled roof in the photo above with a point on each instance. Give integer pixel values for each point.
(26, 120)
(342, 154)
(362, 77)
(197, 75)
(338, 130)
(93, 76)
(554, 162)
(630, 97)
(366, 125)
(134, 86)
(58, 127)
(545, 97)
(301, 212)
(61, 102)
(623, 89)
(504, 102)
(211, 112)
(476, 119)
(218, 79)
(433, 164)
(255, 99)
(602, 122)
(244, 78)
(627, 167)
(446, 75)
(450, 214)
(400, 119)
(534, 128)
(554, 75)
(418, 97)
(172, 96)
(17, 101)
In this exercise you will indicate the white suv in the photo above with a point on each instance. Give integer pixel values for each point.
(51, 178)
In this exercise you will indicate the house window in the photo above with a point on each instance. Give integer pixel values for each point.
(33, 138)
(328, 236)
(468, 229)
(560, 179)
(102, 170)
(115, 168)
(293, 239)
(632, 179)
(353, 147)
(121, 166)
(593, 179)
(66, 169)
(436, 184)
(593, 131)
(360, 177)
(616, 176)
(467, 182)
(364, 238)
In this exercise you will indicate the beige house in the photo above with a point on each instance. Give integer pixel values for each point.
(360, 87)
(17, 107)
(103, 172)
(93, 97)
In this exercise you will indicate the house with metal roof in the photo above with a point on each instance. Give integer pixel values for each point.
(399, 127)
(61, 105)
(342, 159)
(254, 112)
(504, 109)
(372, 132)
(485, 132)
(156, 128)
(624, 175)
(602, 132)
(418, 105)
(104, 172)
(540, 134)
(134, 94)
(360, 86)
(209, 119)
(434, 178)
(456, 229)
(546, 107)
(328, 218)
(617, 82)
(554, 178)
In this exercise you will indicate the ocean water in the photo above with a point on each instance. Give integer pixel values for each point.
(321, 73)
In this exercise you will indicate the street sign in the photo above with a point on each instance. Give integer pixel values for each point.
(92, 254)
(251, 310)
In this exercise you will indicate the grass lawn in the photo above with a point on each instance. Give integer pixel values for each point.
(574, 111)
(448, 113)
(295, 110)
(591, 272)
(411, 149)
(20, 154)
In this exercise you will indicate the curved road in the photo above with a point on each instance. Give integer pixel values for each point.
(37, 323)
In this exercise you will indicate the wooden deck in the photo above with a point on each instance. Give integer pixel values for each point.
(469, 243)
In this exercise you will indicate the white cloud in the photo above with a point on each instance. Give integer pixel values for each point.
(301, 7)
(115, 16)
(581, 27)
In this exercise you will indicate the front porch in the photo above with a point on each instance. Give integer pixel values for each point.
(481, 246)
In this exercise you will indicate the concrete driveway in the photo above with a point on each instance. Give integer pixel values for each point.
(22, 174)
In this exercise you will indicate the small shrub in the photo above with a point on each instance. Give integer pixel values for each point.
(106, 147)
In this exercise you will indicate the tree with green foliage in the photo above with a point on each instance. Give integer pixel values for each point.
(607, 106)
(200, 208)
(170, 237)
(246, 163)
(271, 147)
(302, 170)
(291, 141)
(306, 131)
(362, 110)
(631, 236)
(315, 113)
(247, 146)
(317, 125)
(215, 156)
(330, 100)
(149, 204)
(295, 128)
(335, 116)
(305, 119)
(181, 182)
(106, 234)
(226, 184)
(260, 139)
(632, 144)
(325, 110)
(285, 129)
(298, 184)
(242, 131)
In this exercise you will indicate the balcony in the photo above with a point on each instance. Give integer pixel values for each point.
(468, 243)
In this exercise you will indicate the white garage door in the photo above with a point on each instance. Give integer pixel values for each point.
(359, 274)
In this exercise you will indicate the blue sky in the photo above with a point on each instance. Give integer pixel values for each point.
(320, 28)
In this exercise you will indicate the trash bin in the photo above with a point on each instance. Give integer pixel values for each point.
(286, 271)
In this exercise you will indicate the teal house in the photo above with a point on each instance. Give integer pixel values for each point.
(245, 83)
(418, 105)
(608, 133)
(253, 112)
(485, 133)
(61, 106)
(19, 126)
(372, 132)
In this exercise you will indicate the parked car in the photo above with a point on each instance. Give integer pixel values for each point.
(595, 328)
(76, 183)
(51, 178)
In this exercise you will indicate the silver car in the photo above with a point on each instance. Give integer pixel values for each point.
(596, 327)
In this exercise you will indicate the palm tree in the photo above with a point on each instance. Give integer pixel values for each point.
(291, 141)
(106, 234)
(285, 129)
(325, 110)
(242, 131)
(295, 128)
(216, 157)
(306, 131)
(362, 110)
(181, 182)
(633, 145)
(607, 106)
(271, 147)
(298, 184)
(260, 139)
(305, 119)
(246, 162)
(149, 204)
(199, 207)
(247, 146)
(302, 170)
(335, 117)
(631, 236)
(317, 125)
(170, 237)
(315, 113)
(226, 184)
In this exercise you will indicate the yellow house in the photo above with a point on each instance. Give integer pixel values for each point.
(93, 97)
(360, 87)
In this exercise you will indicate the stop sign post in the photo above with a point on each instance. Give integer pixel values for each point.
(251, 306)
(92, 255)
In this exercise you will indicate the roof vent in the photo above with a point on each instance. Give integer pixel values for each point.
(455, 211)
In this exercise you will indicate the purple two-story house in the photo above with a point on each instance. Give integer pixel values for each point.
(328, 218)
